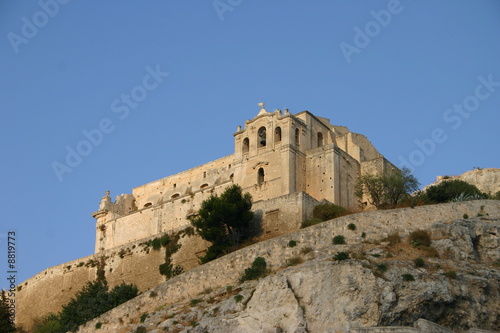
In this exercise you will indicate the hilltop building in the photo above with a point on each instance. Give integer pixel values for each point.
(288, 163)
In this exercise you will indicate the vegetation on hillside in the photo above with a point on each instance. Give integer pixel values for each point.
(389, 190)
(90, 302)
(5, 324)
(325, 212)
(224, 221)
(451, 190)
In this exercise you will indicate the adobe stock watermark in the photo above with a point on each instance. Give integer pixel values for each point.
(453, 116)
(223, 6)
(30, 28)
(120, 106)
(373, 28)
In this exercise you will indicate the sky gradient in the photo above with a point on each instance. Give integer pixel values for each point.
(111, 95)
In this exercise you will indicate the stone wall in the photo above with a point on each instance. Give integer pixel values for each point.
(226, 270)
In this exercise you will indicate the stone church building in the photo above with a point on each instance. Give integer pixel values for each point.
(288, 163)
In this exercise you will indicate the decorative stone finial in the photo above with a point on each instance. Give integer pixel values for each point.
(262, 109)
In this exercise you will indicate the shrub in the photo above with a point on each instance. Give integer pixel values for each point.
(306, 250)
(292, 243)
(420, 238)
(338, 240)
(156, 244)
(327, 212)
(451, 275)
(257, 270)
(294, 261)
(351, 226)
(430, 251)
(140, 329)
(363, 234)
(170, 270)
(382, 267)
(93, 300)
(408, 277)
(341, 256)
(194, 301)
(164, 240)
(393, 239)
(450, 189)
(308, 223)
(144, 316)
(153, 294)
(238, 298)
(419, 262)
(98, 325)
(466, 216)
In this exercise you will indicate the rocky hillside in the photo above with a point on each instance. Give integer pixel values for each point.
(486, 180)
(387, 281)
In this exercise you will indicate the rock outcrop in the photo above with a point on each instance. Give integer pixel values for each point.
(380, 288)
(486, 180)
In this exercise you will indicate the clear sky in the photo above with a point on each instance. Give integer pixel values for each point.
(110, 95)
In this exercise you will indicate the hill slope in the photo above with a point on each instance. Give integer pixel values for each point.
(457, 287)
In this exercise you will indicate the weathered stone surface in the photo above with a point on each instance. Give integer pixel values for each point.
(486, 180)
(324, 295)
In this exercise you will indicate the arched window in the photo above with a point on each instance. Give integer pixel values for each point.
(261, 137)
(320, 139)
(297, 136)
(277, 134)
(260, 176)
(246, 145)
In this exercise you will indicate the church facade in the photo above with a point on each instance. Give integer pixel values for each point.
(288, 163)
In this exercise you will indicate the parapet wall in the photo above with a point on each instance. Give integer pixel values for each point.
(227, 270)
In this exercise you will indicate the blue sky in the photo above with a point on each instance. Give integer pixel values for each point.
(421, 79)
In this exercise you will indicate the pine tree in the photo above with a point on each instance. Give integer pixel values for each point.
(6, 325)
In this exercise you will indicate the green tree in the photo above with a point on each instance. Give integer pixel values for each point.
(373, 187)
(224, 220)
(328, 211)
(6, 325)
(48, 324)
(399, 185)
(387, 190)
(92, 301)
(449, 189)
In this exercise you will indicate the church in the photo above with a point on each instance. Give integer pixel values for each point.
(289, 163)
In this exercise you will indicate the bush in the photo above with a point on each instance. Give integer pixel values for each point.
(238, 298)
(93, 300)
(327, 212)
(141, 329)
(451, 275)
(419, 262)
(294, 261)
(306, 250)
(170, 270)
(382, 267)
(144, 316)
(408, 277)
(338, 240)
(292, 243)
(194, 301)
(450, 189)
(351, 226)
(363, 234)
(308, 223)
(257, 270)
(420, 238)
(393, 239)
(98, 325)
(341, 256)
(466, 216)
